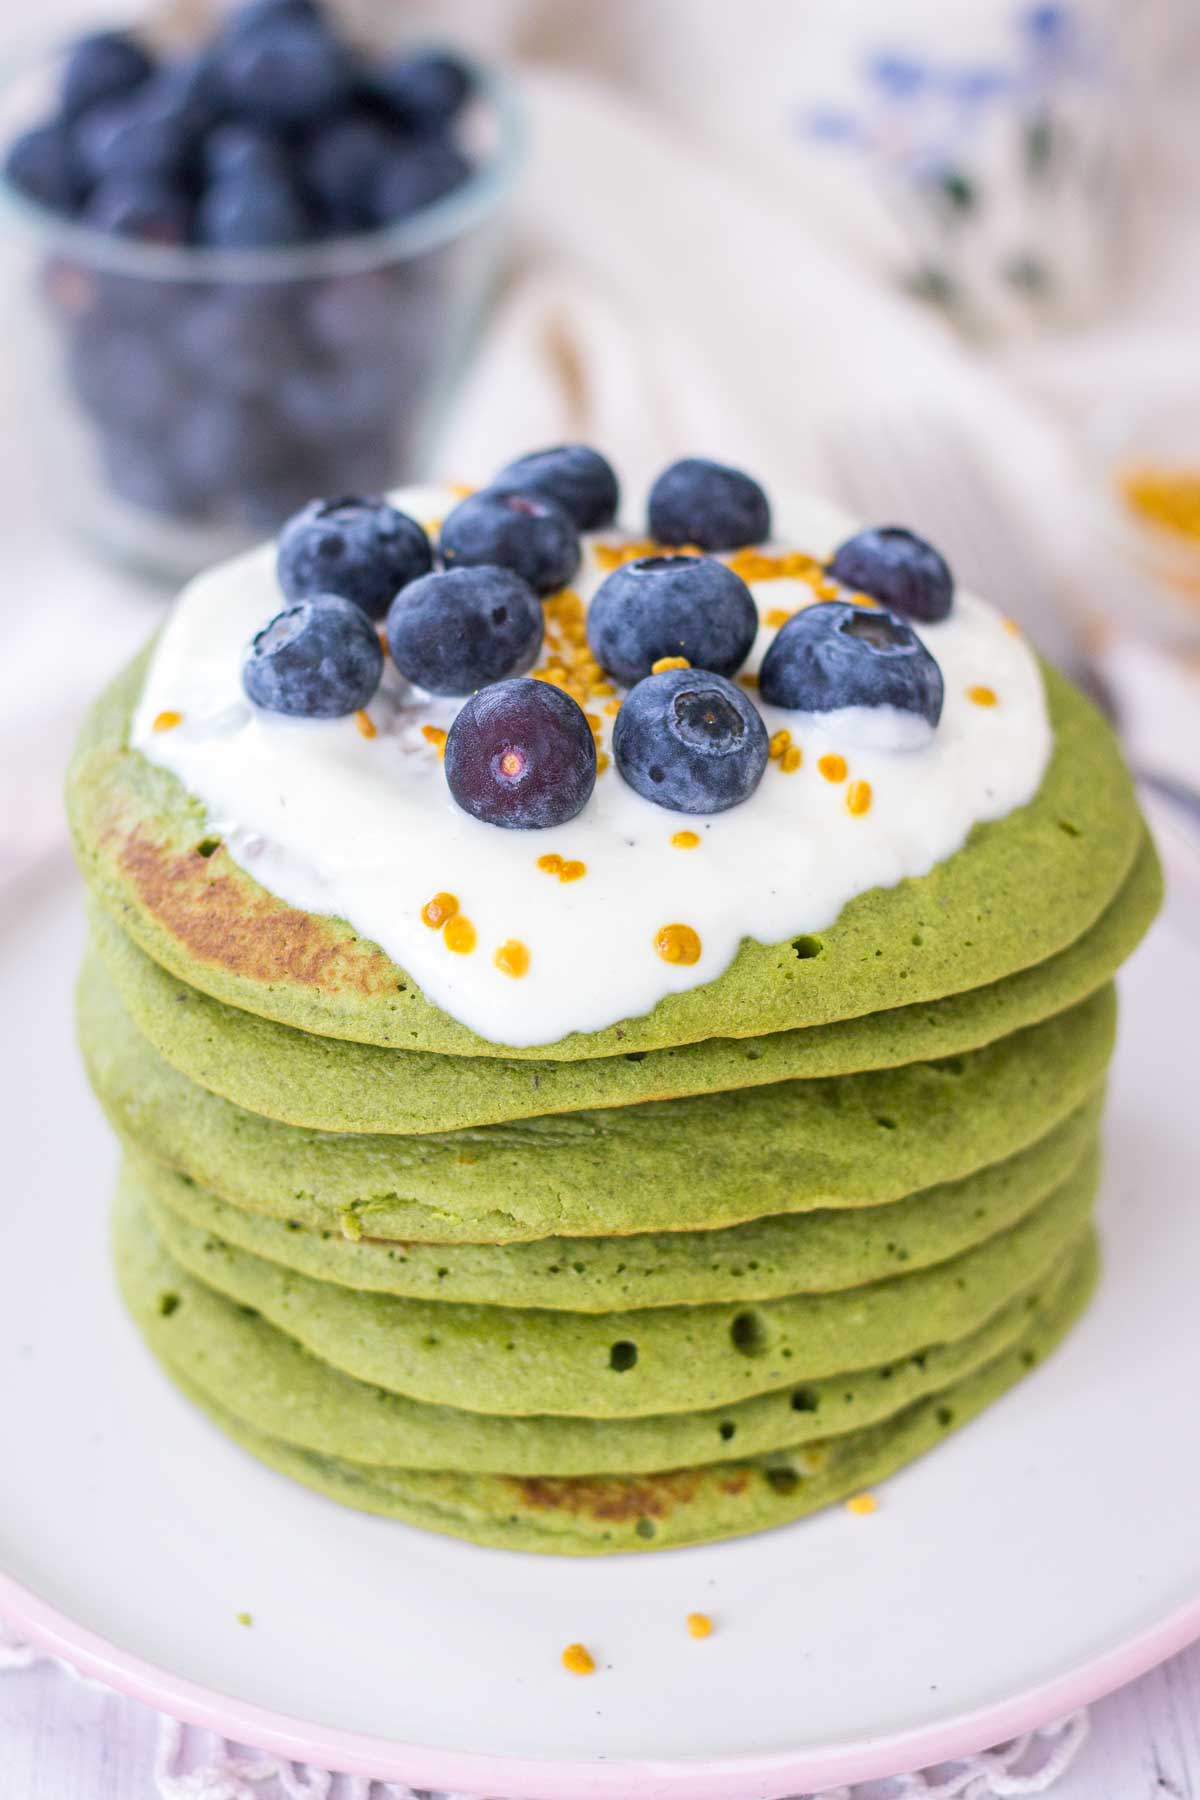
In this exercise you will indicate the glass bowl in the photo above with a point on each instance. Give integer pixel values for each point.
(188, 400)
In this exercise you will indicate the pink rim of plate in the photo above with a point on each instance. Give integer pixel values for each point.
(730, 1778)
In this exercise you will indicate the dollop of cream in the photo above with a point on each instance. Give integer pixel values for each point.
(337, 821)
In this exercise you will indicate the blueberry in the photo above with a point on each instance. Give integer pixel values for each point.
(700, 502)
(340, 164)
(899, 568)
(242, 349)
(235, 147)
(413, 177)
(220, 445)
(324, 402)
(318, 659)
(141, 300)
(129, 137)
(521, 754)
(284, 71)
(100, 67)
(254, 209)
(352, 313)
(186, 93)
(577, 477)
(659, 606)
(137, 471)
(122, 376)
(835, 655)
(43, 164)
(254, 14)
(426, 90)
(362, 549)
(145, 207)
(690, 741)
(459, 630)
(524, 532)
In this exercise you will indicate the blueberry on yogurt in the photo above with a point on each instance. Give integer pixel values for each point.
(578, 477)
(521, 754)
(658, 606)
(528, 533)
(690, 741)
(836, 655)
(461, 629)
(696, 501)
(899, 569)
(362, 549)
(318, 659)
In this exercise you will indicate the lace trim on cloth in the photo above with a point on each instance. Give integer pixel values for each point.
(191, 1764)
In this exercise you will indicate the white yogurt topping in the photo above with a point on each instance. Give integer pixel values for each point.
(365, 828)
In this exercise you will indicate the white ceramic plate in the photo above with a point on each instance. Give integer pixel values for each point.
(1046, 1554)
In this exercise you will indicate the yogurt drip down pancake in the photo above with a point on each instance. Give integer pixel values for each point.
(607, 1027)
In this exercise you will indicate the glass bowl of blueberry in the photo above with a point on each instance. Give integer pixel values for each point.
(244, 270)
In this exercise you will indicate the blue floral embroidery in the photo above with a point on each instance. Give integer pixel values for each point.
(919, 128)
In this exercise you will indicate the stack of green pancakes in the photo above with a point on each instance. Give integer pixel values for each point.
(691, 1276)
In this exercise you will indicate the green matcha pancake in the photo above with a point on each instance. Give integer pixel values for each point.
(1021, 890)
(743, 1221)
(855, 1140)
(236, 1359)
(815, 1252)
(337, 1085)
(497, 1359)
(602, 1514)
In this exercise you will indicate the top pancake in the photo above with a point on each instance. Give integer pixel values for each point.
(1020, 890)
(334, 1085)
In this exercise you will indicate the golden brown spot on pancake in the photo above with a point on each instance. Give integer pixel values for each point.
(213, 912)
(734, 1484)
(610, 1499)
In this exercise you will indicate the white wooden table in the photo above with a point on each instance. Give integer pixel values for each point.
(61, 1741)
